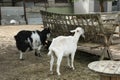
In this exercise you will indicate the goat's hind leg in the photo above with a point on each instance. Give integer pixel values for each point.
(72, 60)
(58, 64)
(51, 64)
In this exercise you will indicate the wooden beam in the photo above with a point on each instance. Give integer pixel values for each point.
(24, 6)
(13, 2)
(0, 15)
(28, 0)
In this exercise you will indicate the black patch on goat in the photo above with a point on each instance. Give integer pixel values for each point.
(24, 40)
(43, 35)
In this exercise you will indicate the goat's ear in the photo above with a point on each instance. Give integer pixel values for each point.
(47, 28)
(83, 36)
(15, 37)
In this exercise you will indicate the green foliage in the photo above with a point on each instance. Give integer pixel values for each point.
(74, 0)
(105, 0)
(101, 2)
(98, 0)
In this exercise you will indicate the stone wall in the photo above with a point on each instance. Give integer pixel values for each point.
(33, 11)
(12, 13)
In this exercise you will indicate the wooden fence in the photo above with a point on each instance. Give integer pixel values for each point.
(97, 29)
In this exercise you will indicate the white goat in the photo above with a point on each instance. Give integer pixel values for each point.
(64, 46)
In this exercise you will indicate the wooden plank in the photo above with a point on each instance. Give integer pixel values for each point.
(115, 49)
(91, 66)
(113, 78)
(108, 67)
(118, 70)
(103, 77)
(95, 51)
(118, 77)
(101, 65)
(98, 66)
(112, 67)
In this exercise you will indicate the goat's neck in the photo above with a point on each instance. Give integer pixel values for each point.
(76, 37)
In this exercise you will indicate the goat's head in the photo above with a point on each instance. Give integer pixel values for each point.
(79, 30)
(47, 31)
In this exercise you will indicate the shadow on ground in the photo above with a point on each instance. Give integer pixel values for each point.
(37, 68)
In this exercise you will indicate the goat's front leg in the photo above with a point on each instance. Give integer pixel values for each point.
(39, 48)
(72, 60)
(51, 63)
(37, 51)
(58, 64)
(21, 55)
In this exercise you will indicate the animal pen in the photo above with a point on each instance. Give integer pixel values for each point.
(99, 31)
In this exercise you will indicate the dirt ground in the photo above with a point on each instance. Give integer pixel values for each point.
(37, 68)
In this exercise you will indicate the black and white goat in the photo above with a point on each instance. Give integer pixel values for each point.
(31, 40)
(64, 46)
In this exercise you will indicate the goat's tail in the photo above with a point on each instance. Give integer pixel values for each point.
(15, 37)
(50, 52)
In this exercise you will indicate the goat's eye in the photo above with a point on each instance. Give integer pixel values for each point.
(77, 30)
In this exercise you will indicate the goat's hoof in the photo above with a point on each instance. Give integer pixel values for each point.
(59, 74)
(69, 67)
(36, 54)
(21, 59)
(39, 55)
(51, 72)
(73, 68)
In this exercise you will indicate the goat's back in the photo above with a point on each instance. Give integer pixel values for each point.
(63, 43)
